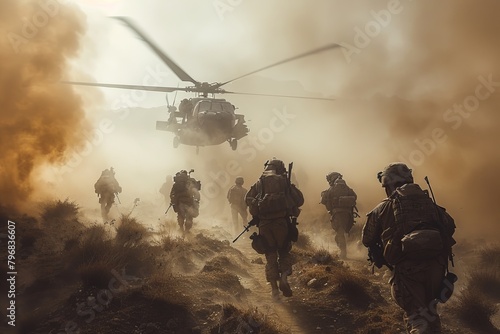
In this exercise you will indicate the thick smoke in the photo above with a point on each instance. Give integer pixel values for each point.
(39, 118)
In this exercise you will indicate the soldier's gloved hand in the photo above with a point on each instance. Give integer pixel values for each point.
(254, 221)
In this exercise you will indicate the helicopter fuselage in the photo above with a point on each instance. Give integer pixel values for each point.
(204, 122)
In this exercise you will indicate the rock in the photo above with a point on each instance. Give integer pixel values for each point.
(311, 282)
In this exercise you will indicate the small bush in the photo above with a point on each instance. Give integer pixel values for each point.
(130, 231)
(168, 243)
(93, 247)
(490, 257)
(352, 286)
(476, 312)
(486, 282)
(95, 253)
(234, 320)
(304, 241)
(322, 256)
(57, 211)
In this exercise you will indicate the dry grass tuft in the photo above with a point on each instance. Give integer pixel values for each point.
(486, 282)
(169, 243)
(130, 231)
(304, 241)
(58, 211)
(96, 254)
(322, 256)
(234, 320)
(352, 286)
(490, 257)
(478, 302)
(476, 312)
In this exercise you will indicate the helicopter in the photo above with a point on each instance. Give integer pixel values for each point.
(203, 120)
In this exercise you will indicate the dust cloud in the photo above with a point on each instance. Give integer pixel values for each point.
(421, 88)
(40, 119)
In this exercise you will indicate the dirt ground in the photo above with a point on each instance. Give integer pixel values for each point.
(136, 276)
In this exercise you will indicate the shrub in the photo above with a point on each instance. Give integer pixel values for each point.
(475, 311)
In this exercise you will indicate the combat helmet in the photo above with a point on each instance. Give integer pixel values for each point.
(396, 173)
(275, 164)
(181, 176)
(331, 177)
(239, 180)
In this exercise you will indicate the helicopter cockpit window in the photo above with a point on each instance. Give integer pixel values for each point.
(228, 107)
(204, 106)
(216, 106)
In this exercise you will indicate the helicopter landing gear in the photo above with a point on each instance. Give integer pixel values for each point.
(234, 144)
(176, 142)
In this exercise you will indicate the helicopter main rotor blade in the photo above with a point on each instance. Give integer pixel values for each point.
(287, 96)
(324, 48)
(134, 87)
(169, 62)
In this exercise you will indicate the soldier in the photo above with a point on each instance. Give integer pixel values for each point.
(166, 188)
(236, 197)
(185, 199)
(186, 110)
(272, 201)
(340, 201)
(106, 187)
(410, 232)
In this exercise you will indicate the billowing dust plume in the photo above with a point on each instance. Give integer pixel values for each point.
(418, 82)
(39, 117)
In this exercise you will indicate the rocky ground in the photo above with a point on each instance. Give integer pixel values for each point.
(136, 276)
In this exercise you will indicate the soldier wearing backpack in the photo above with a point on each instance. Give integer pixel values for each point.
(106, 187)
(185, 199)
(236, 198)
(340, 201)
(415, 236)
(274, 202)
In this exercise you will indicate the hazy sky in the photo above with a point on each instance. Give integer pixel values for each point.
(415, 81)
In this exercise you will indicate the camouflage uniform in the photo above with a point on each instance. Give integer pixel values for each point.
(274, 227)
(185, 198)
(341, 217)
(106, 187)
(236, 197)
(416, 283)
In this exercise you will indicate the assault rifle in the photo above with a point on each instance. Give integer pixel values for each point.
(290, 166)
(376, 257)
(253, 222)
(168, 208)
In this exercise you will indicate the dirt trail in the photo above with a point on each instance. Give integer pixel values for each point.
(260, 296)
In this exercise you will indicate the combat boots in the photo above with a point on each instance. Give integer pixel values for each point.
(274, 289)
(284, 286)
